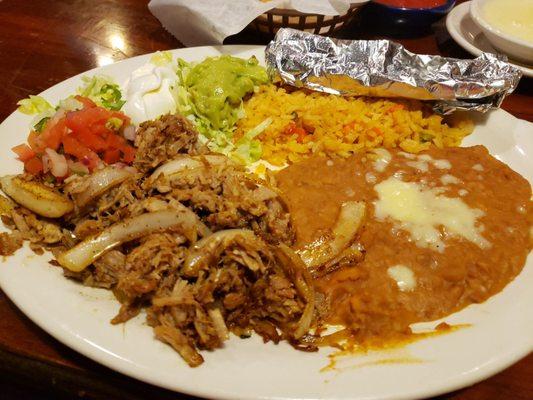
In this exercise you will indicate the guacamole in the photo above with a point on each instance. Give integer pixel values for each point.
(218, 84)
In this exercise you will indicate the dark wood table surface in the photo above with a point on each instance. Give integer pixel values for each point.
(43, 42)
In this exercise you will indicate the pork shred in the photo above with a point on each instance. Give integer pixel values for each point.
(196, 289)
(163, 139)
(10, 242)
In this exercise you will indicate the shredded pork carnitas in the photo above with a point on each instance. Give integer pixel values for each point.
(200, 245)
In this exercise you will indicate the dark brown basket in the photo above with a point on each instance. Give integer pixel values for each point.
(269, 22)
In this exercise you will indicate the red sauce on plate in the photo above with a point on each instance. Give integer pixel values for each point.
(413, 3)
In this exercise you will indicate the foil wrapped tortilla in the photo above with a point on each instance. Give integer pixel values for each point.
(383, 68)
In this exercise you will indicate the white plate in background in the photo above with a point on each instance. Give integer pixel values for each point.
(470, 37)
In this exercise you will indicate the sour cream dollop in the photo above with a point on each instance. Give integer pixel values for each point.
(148, 93)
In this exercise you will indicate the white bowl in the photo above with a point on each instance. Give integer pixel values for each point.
(514, 47)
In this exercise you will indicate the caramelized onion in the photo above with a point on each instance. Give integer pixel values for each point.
(36, 197)
(100, 182)
(218, 321)
(6, 205)
(187, 163)
(203, 252)
(302, 280)
(343, 234)
(86, 252)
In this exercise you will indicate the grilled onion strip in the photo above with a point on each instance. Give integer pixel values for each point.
(86, 252)
(343, 234)
(36, 197)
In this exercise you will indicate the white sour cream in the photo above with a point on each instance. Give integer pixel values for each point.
(148, 93)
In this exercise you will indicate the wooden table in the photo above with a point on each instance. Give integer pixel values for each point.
(43, 42)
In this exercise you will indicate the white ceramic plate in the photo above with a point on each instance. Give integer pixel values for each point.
(501, 331)
(470, 37)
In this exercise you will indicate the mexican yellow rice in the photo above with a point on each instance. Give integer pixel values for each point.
(306, 123)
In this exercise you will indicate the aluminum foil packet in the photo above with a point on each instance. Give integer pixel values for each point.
(382, 68)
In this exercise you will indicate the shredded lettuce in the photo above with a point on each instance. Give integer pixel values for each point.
(161, 58)
(103, 91)
(34, 105)
(40, 108)
(70, 104)
(247, 149)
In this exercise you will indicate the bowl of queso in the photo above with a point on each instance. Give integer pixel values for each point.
(508, 25)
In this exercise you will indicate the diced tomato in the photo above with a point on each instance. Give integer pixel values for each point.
(87, 103)
(289, 129)
(33, 166)
(129, 154)
(301, 133)
(349, 127)
(86, 156)
(93, 142)
(395, 107)
(87, 119)
(24, 152)
(53, 134)
(116, 141)
(378, 131)
(293, 129)
(100, 130)
(112, 156)
(32, 140)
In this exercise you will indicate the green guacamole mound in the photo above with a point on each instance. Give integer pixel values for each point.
(218, 84)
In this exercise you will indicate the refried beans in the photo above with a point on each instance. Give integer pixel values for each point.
(401, 279)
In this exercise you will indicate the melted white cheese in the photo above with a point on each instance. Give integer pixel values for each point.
(423, 161)
(442, 164)
(399, 174)
(422, 211)
(407, 155)
(383, 159)
(404, 277)
(477, 167)
(422, 166)
(448, 179)
(463, 192)
(370, 178)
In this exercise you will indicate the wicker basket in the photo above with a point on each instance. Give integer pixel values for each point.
(269, 22)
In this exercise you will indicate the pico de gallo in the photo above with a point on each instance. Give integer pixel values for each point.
(76, 137)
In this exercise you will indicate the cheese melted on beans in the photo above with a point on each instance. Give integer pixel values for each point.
(436, 237)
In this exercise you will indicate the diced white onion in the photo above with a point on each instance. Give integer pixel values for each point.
(130, 132)
(58, 163)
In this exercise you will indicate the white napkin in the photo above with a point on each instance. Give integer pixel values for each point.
(205, 22)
